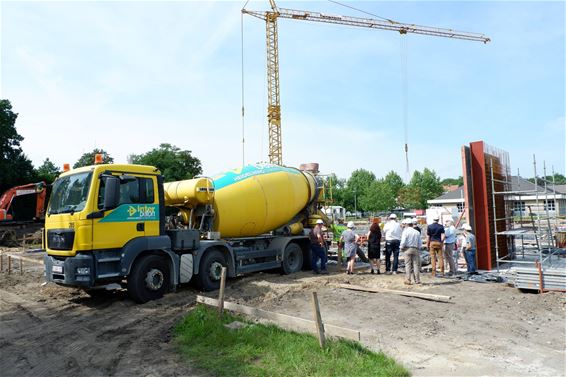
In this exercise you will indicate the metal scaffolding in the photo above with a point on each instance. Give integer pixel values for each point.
(535, 266)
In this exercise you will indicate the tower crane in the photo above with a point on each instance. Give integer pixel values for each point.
(273, 92)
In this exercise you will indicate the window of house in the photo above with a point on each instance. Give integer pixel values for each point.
(460, 207)
(519, 206)
(549, 205)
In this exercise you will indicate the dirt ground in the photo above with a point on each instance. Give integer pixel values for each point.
(486, 330)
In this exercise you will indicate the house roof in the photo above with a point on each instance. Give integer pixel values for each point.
(517, 184)
(521, 184)
(454, 194)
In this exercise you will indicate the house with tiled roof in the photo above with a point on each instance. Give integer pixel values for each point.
(524, 195)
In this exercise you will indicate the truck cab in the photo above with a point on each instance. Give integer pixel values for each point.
(101, 218)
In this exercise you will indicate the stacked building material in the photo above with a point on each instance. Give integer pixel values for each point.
(553, 276)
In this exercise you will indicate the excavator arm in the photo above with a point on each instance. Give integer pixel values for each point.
(29, 189)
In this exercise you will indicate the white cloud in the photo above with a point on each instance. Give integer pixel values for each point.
(111, 76)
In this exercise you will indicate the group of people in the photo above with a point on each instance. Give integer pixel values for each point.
(441, 241)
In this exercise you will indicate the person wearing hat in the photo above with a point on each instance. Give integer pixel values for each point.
(434, 239)
(416, 225)
(392, 231)
(411, 244)
(318, 250)
(350, 239)
(449, 243)
(470, 249)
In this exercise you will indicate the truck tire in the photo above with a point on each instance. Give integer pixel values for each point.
(210, 270)
(292, 259)
(149, 279)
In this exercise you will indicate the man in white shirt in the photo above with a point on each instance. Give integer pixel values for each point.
(411, 244)
(392, 231)
(449, 243)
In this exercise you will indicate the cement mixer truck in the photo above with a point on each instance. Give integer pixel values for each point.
(112, 226)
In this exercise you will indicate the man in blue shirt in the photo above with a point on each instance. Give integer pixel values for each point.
(434, 239)
(470, 249)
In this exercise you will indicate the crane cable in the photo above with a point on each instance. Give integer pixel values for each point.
(405, 100)
(243, 113)
(363, 11)
(404, 83)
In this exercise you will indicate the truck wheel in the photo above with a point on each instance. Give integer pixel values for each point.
(149, 279)
(210, 270)
(292, 259)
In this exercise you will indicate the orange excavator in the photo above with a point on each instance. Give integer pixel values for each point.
(12, 227)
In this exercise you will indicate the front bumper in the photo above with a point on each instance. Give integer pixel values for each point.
(73, 271)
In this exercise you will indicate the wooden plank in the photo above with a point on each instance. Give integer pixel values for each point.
(221, 294)
(283, 320)
(426, 296)
(318, 320)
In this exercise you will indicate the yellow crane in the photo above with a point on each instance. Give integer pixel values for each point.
(270, 18)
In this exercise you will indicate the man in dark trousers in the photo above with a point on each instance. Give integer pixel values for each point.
(318, 249)
(434, 240)
(392, 231)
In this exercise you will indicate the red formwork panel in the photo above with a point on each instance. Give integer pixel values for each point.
(477, 161)
(481, 210)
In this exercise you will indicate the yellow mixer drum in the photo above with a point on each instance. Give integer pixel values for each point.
(257, 199)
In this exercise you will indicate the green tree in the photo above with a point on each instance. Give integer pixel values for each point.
(378, 197)
(175, 164)
(409, 197)
(559, 179)
(335, 188)
(15, 168)
(88, 158)
(357, 187)
(395, 182)
(452, 181)
(47, 171)
(423, 187)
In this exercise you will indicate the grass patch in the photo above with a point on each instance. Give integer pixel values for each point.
(267, 350)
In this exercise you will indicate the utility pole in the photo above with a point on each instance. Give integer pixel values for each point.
(355, 205)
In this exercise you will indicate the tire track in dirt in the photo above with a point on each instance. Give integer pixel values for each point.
(62, 332)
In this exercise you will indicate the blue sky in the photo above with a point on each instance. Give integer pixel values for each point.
(126, 76)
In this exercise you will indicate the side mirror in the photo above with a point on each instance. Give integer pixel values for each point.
(112, 192)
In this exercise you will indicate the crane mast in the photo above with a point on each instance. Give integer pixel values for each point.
(270, 18)
(273, 100)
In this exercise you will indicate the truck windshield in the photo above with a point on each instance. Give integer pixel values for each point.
(69, 193)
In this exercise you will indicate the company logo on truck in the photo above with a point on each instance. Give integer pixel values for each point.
(133, 212)
(238, 175)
